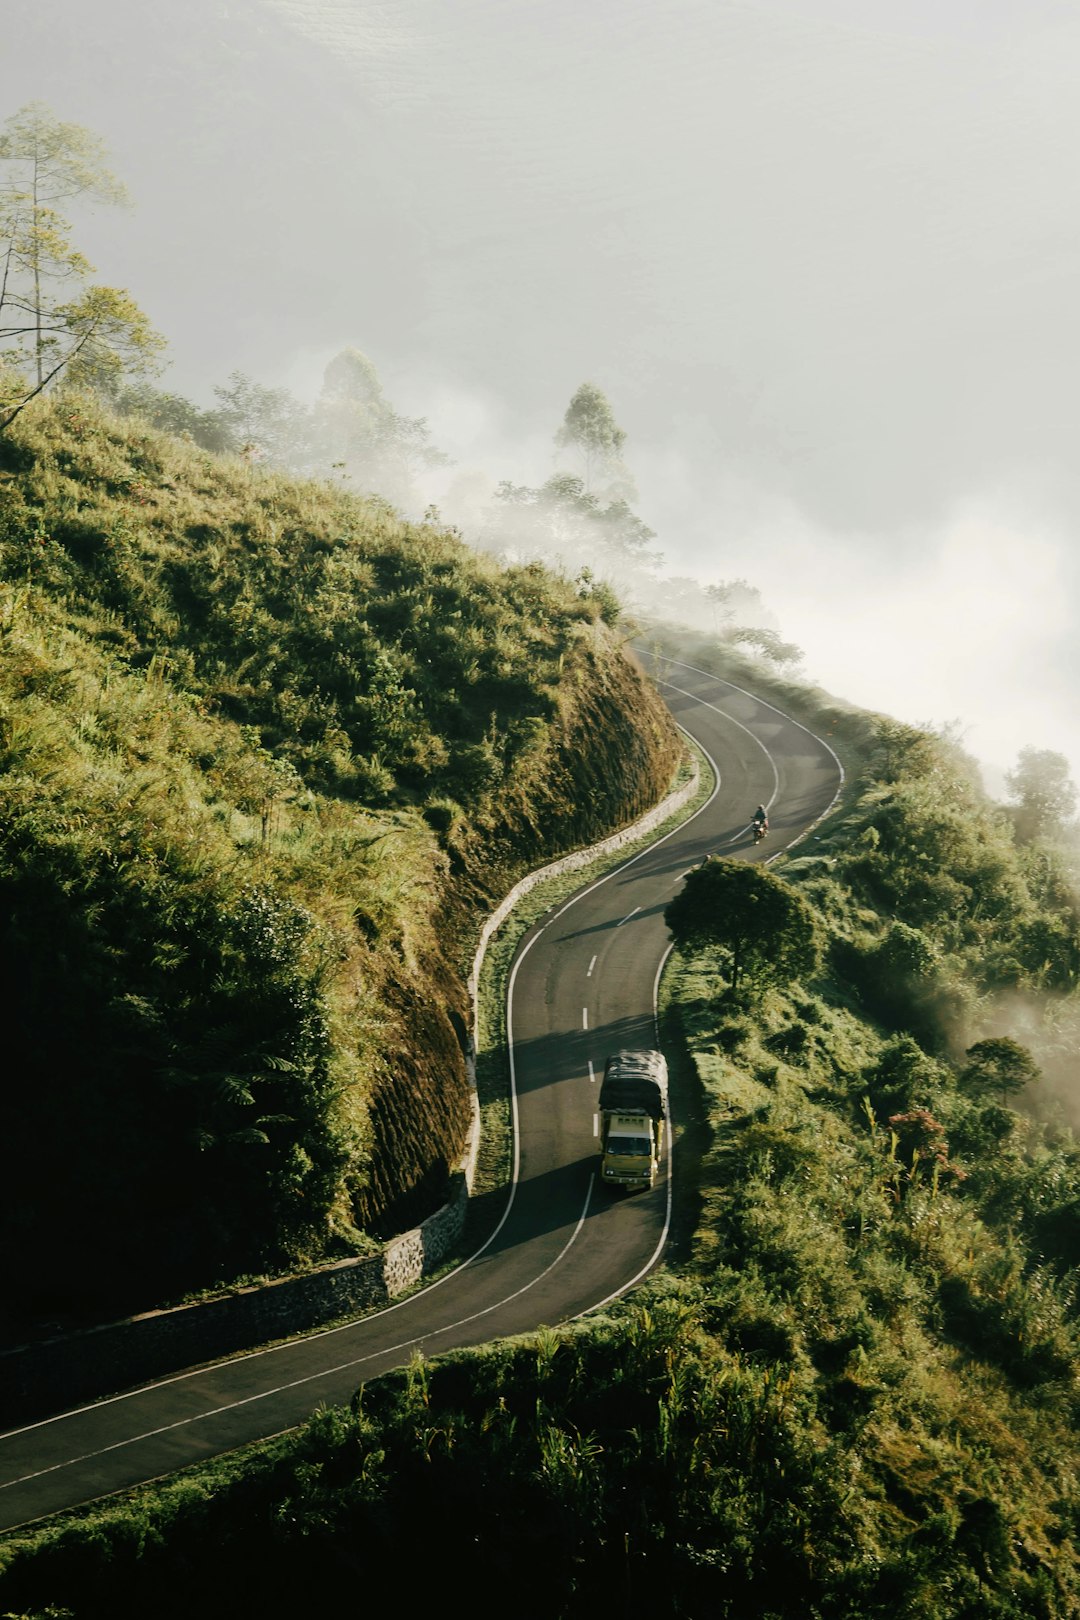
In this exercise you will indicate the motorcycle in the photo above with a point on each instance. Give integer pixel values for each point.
(760, 828)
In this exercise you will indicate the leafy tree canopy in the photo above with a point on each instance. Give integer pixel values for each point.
(766, 931)
(567, 516)
(357, 431)
(263, 423)
(589, 428)
(214, 430)
(352, 377)
(1043, 792)
(52, 320)
(1001, 1065)
(61, 160)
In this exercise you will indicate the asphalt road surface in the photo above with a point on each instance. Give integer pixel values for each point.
(583, 984)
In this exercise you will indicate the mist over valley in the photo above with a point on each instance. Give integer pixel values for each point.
(815, 254)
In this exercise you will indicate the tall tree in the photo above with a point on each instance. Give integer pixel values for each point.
(565, 518)
(767, 643)
(590, 430)
(1001, 1065)
(50, 317)
(764, 930)
(359, 430)
(263, 422)
(1043, 792)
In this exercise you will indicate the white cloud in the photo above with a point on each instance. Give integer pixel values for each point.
(968, 622)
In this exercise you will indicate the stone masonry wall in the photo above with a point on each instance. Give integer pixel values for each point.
(73, 1368)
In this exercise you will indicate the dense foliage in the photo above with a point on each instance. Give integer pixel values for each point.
(383, 661)
(264, 750)
(53, 323)
(760, 926)
(859, 1395)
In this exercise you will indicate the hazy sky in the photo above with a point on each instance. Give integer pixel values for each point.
(822, 256)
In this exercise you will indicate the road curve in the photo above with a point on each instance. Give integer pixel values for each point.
(583, 983)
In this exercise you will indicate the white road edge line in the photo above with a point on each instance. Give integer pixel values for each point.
(516, 1151)
(663, 961)
(697, 670)
(662, 1240)
(345, 1327)
(705, 704)
(310, 1378)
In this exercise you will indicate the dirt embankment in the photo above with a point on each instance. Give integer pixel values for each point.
(611, 756)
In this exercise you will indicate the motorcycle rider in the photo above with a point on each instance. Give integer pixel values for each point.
(760, 821)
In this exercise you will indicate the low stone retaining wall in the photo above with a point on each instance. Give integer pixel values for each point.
(567, 863)
(571, 863)
(75, 1368)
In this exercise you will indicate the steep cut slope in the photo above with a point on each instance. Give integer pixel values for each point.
(265, 753)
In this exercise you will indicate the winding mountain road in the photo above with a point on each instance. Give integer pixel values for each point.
(583, 984)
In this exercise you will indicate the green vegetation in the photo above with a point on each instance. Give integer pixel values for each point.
(762, 929)
(351, 435)
(1000, 1065)
(590, 432)
(267, 751)
(1044, 795)
(51, 319)
(858, 1398)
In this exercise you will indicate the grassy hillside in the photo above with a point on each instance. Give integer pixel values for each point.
(265, 753)
(855, 1394)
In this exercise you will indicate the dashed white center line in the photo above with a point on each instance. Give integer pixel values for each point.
(584, 1017)
(596, 1124)
(592, 1075)
(592, 964)
(628, 916)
